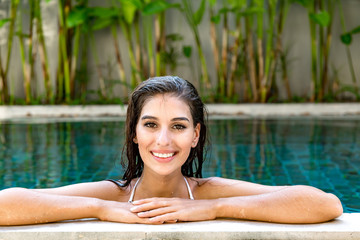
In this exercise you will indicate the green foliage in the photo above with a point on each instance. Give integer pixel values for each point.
(4, 21)
(129, 9)
(246, 46)
(77, 16)
(187, 50)
(346, 38)
(305, 3)
(198, 15)
(322, 18)
(157, 6)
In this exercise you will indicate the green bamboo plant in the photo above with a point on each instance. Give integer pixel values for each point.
(250, 53)
(194, 19)
(4, 67)
(226, 55)
(28, 54)
(64, 85)
(245, 37)
(320, 18)
(346, 38)
(43, 54)
(129, 10)
(155, 12)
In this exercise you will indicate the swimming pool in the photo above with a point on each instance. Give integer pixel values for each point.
(322, 152)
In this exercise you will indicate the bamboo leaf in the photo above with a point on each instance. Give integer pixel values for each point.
(4, 21)
(252, 10)
(129, 8)
(101, 23)
(258, 3)
(174, 37)
(346, 38)
(212, 2)
(224, 10)
(305, 3)
(237, 4)
(157, 6)
(216, 19)
(101, 12)
(322, 18)
(187, 50)
(76, 17)
(198, 15)
(355, 30)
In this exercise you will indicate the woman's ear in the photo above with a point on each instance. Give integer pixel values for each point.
(196, 135)
(135, 140)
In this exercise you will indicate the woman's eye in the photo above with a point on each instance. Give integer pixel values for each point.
(179, 127)
(150, 125)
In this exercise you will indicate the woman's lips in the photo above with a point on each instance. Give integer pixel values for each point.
(163, 157)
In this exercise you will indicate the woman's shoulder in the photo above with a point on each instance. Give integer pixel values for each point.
(106, 190)
(218, 187)
(215, 181)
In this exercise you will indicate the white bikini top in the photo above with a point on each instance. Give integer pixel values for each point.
(133, 190)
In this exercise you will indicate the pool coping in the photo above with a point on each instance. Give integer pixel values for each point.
(239, 110)
(344, 227)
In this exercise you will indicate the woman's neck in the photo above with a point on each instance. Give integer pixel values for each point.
(153, 185)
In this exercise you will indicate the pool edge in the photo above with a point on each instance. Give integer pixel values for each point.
(345, 227)
(252, 110)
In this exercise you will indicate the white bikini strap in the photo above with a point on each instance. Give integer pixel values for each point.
(189, 189)
(133, 191)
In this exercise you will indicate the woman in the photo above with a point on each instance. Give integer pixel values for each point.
(163, 156)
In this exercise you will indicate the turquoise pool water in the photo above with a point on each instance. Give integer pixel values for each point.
(321, 152)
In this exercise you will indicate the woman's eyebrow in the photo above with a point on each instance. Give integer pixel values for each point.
(174, 119)
(180, 119)
(148, 117)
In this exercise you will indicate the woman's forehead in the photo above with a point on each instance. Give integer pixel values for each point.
(166, 104)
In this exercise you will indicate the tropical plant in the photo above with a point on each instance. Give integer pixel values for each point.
(320, 18)
(194, 19)
(4, 67)
(346, 38)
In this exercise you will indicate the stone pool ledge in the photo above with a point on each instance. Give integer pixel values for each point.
(345, 227)
(240, 110)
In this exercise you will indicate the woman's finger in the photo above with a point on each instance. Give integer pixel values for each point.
(169, 217)
(150, 205)
(148, 200)
(155, 212)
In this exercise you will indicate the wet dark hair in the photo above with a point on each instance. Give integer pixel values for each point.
(184, 90)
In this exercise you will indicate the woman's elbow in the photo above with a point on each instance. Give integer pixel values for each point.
(314, 205)
(333, 207)
(326, 206)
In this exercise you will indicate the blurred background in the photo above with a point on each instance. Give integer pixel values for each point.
(234, 51)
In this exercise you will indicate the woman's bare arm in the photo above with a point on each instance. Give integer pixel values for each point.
(295, 204)
(243, 200)
(102, 200)
(20, 206)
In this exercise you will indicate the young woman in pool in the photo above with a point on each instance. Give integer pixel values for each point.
(163, 154)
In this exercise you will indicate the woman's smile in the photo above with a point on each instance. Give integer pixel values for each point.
(163, 157)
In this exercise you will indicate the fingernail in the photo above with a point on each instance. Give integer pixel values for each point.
(133, 209)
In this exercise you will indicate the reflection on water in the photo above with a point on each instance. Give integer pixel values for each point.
(319, 152)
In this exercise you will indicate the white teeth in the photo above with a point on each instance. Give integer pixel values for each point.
(163, 155)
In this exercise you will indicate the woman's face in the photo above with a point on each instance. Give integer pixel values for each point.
(165, 134)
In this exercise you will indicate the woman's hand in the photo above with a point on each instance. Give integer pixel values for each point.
(160, 210)
(120, 212)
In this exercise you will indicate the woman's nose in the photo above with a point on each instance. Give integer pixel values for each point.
(163, 138)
